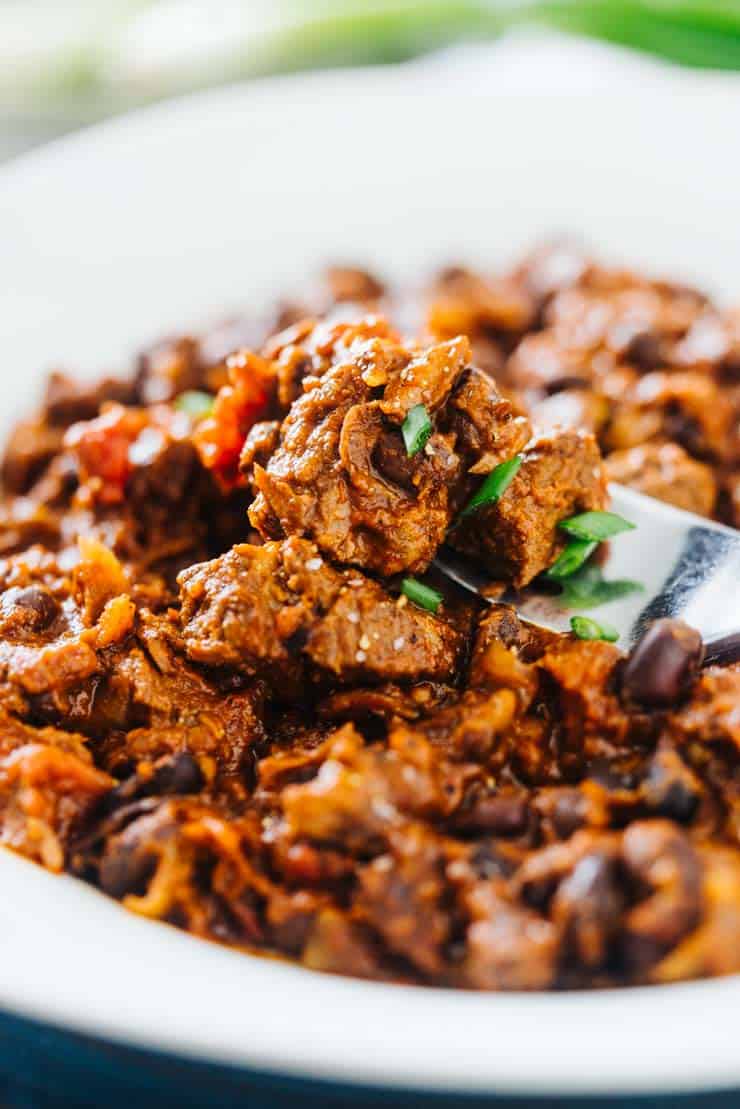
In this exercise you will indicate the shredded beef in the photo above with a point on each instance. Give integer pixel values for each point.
(224, 704)
(282, 612)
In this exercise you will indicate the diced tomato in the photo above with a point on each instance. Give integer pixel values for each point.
(243, 402)
(102, 449)
(112, 445)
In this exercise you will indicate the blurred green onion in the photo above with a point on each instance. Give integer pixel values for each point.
(704, 33)
(126, 51)
(586, 628)
(195, 403)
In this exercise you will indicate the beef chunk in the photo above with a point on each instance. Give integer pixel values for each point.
(604, 319)
(508, 946)
(339, 945)
(616, 898)
(78, 653)
(516, 538)
(665, 471)
(34, 443)
(577, 407)
(46, 791)
(169, 367)
(130, 478)
(711, 948)
(260, 444)
(688, 408)
(68, 400)
(54, 623)
(462, 302)
(348, 283)
(180, 861)
(180, 363)
(281, 611)
(552, 268)
(711, 716)
(29, 450)
(360, 796)
(341, 474)
(642, 364)
(150, 704)
(659, 856)
(592, 720)
(406, 897)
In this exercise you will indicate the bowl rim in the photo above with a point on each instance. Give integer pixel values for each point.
(63, 939)
(634, 1040)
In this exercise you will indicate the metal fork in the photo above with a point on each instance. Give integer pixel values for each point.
(687, 567)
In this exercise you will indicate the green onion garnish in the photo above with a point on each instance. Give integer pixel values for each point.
(416, 428)
(422, 595)
(571, 559)
(495, 484)
(596, 526)
(195, 403)
(586, 628)
(587, 588)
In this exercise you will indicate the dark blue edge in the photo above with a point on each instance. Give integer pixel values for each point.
(43, 1066)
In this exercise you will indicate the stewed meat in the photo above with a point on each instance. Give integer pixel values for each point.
(517, 537)
(283, 612)
(237, 696)
(342, 474)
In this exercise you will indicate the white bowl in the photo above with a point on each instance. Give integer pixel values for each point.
(177, 213)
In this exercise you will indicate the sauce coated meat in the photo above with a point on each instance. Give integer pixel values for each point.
(236, 696)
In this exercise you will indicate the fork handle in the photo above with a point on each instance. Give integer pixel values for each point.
(723, 649)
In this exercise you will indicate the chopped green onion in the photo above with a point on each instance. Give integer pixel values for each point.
(195, 403)
(416, 428)
(422, 595)
(571, 559)
(586, 628)
(495, 484)
(596, 526)
(588, 589)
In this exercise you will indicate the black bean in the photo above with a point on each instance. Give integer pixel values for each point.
(488, 861)
(670, 788)
(569, 813)
(592, 877)
(611, 774)
(662, 664)
(567, 381)
(685, 429)
(498, 816)
(678, 803)
(645, 349)
(589, 904)
(127, 868)
(40, 608)
(180, 774)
